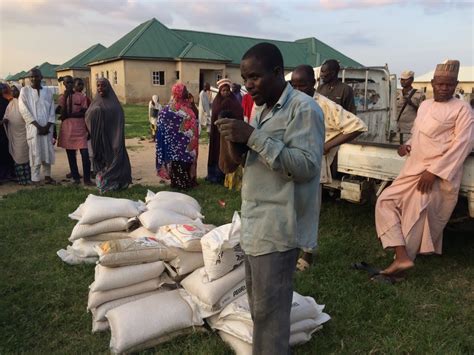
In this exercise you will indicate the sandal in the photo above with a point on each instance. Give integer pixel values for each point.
(302, 265)
(363, 266)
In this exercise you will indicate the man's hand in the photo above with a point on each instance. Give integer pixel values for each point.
(425, 184)
(327, 147)
(404, 149)
(232, 130)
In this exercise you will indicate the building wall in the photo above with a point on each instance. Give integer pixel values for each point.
(46, 81)
(190, 73)
(100, 70)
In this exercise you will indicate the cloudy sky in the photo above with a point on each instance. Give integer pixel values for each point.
(405, 34)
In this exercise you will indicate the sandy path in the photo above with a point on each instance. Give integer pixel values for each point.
(142, 158)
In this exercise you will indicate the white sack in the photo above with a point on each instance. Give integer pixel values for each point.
(77, 214)
(109, 225)
(83, 248)
(141, 232)
(221, 249)
(100, 208)
(101, 297)
(103, 237)
(99, 326)
(177, 206)
(100, 312)
(182, 236)
(212, 296)
(154, 219)
(150, 318)
(107, 278)
(173, 196)
(70, 258)
(239, 346)
(186, 262)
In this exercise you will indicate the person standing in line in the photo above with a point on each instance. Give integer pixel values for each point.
(73, 132)
(334, 89)
(280, 190)
(408, 101)
(205, 106)
(37, 108)
(410, 214)
(15, 128)
(105, 121)
(341, 127)
(154, 108)
(6, 160)
(236, 91)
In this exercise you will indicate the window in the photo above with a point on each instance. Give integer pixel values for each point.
(107, 74)
(177, 74)
(158, 78)
(101, 74)
(96, 76)
(115, 77)
(218, 77)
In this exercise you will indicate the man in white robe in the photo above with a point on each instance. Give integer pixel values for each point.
(205, 106)
(341, 127)
(411, 214)
(38, 110)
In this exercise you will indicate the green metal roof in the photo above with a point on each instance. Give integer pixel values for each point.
(18, 76)
(196, 51)
(8, 78)
(48, 70)
(80, 60)
(153, 40)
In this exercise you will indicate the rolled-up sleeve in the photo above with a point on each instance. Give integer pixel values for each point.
(298, 156)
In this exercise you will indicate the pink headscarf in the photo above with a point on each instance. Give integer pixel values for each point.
(177, 92)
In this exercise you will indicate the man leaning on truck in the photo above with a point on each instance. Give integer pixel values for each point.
(411, 214)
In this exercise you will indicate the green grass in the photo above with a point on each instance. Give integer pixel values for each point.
(43, 301)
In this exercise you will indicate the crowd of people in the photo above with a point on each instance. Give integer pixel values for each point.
(276, 143)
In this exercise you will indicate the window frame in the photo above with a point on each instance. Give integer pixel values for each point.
(161, 78)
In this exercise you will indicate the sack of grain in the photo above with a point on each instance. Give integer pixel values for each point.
(144, 322)
(116, 253)
(172, 196)
(100, 297)
(70, 258)
(103, 237)
(179, 207)
(182, 236)
(186, 262)
(107, 278)
(154, 219)
(109, 225)
(100, 208)
(212, 297)
(141, 232)
(83, 248)
(221, 249)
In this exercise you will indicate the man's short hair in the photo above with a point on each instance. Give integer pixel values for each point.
(307, 70)
(333, 64)
(266, 53)
(34, 70)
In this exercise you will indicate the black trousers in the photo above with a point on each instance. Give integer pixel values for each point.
(86, 164)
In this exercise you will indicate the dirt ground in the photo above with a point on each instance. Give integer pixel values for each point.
(142, 158)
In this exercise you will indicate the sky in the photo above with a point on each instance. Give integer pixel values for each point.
(405, 34)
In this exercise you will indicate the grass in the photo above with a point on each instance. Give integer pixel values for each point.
(43, 300)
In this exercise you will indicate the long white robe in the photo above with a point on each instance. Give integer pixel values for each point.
(442, 138)
(40, 108)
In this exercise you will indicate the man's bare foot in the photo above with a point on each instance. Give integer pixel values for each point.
(398, 266)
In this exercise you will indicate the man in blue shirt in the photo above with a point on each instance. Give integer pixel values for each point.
(280, 190)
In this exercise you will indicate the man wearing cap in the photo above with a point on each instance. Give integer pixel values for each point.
(411, 214)
(408, 101)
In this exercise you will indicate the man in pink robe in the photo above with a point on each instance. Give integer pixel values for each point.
(411, 214)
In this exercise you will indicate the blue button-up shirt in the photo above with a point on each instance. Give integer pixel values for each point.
(280, 188)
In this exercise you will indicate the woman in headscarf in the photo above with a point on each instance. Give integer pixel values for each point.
(6, 161)
(225, 105)
(105, 121)
(177, 139)
(154, 109)
(15, 128)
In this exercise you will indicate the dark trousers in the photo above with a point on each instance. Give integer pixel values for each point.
(86, 164)
(269, 280)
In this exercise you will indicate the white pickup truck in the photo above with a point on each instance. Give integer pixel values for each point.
(370, 162)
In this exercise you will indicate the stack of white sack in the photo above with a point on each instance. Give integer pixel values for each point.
(115, 286)
(166, 207)
(236, 327)
(99, 219)
(152, 320)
